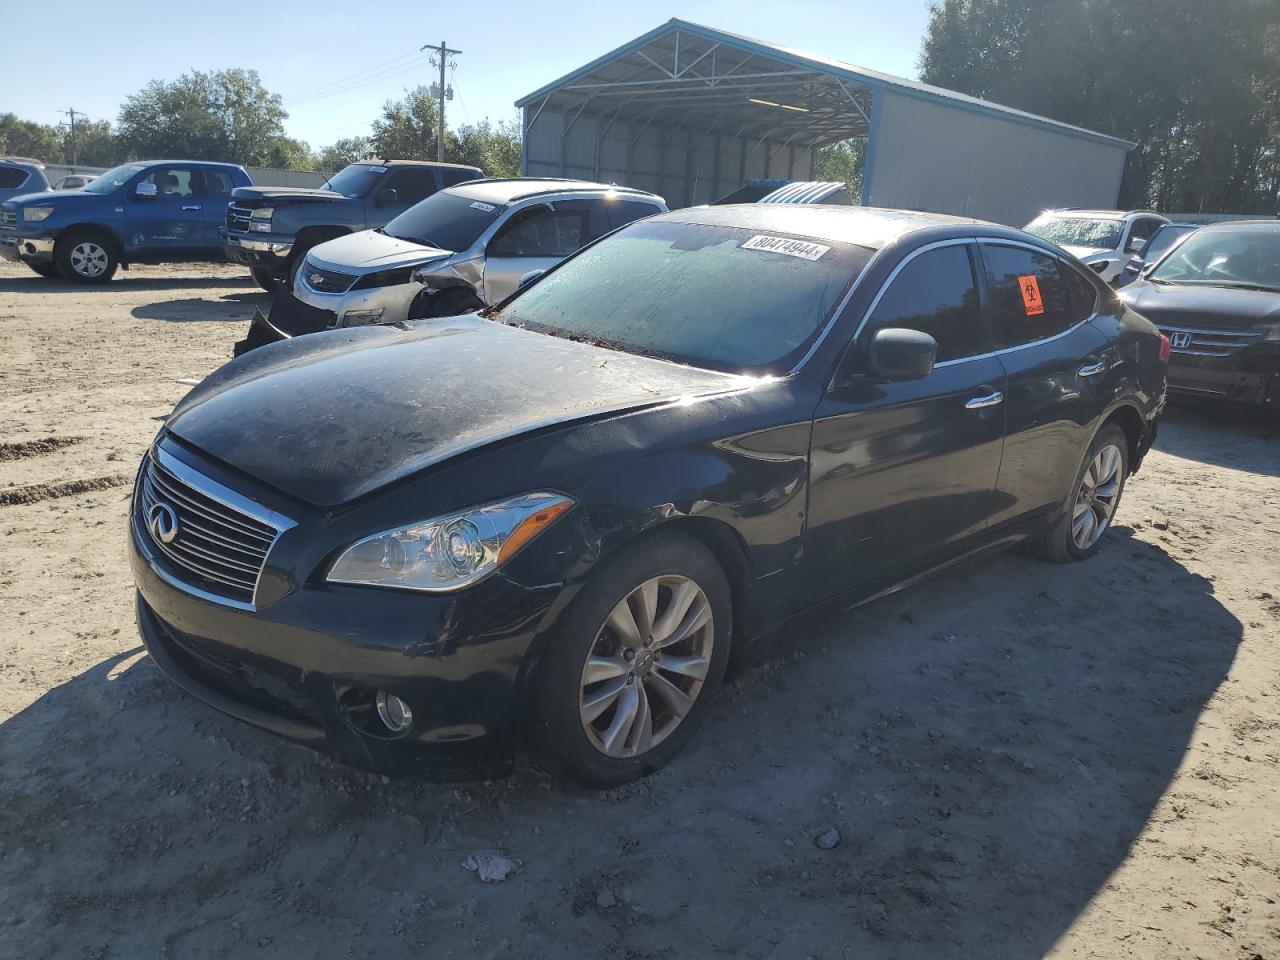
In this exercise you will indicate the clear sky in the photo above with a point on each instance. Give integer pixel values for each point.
(335, 63)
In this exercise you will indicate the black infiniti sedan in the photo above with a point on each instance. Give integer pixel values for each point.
(412, 546)
(1217, 297)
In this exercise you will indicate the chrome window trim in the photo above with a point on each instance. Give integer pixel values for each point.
(229, 499)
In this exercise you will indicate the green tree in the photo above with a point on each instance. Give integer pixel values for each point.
(96, 144)
(224, 115)
(334, 157)
(25, 138)
(494, 148)
(1194, 83)
(843, 161)
(407, 128)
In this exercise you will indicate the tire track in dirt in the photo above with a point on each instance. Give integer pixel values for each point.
(36, 492)
(23, 449)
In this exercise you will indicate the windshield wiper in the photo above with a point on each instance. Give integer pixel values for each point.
(1234, 285)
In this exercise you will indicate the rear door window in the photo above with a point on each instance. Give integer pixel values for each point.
(452, 177)
(1028, 295)
(622, 212)
(11, 177)
(412, 184)
(935, 293)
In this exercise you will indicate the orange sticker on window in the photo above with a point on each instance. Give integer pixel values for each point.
(1031, 296)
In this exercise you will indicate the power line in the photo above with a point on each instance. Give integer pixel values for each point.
(304, 94)
(353, 86)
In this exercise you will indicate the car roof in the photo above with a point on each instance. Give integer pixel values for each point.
(374, 162)
(1103, 214)
(865, 226)
(508, 190)
(1264, 226)
(22, 162)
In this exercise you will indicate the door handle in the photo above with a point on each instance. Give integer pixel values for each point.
(190, 208)
(984, 401)
(1092, 369)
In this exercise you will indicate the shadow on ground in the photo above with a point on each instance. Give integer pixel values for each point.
(1224, 435)
(35, 284)
(232, 306)
(989, 746)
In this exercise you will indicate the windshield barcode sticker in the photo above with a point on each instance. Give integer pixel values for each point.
(792, 248)
(486, 207)
(377, 169)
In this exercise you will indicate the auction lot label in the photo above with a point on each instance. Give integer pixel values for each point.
(792, 248)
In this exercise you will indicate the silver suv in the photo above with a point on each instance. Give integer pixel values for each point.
(1102, 239)
(462, 248)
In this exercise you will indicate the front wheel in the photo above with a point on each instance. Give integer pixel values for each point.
(625, 682)
(86, 257)
(1094, 500)
(47, 270)
(264, 278)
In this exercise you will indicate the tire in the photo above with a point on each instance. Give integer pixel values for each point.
(47, 270)
(446, 303)
(1062, 542)
(86, 256)
(264, 278)
(669, 568)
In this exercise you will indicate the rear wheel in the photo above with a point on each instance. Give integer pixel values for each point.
(86, 256)
(1095, 497)
(625, 683)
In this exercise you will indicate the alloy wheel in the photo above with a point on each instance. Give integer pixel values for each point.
(1097, 497)
(646, 666)
(89, 259)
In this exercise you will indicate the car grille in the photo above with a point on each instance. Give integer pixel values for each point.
(326, 281)
(1206, 342)
(215, 548)
(8, 217)
(238, 217)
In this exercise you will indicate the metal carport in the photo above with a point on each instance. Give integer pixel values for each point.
(691, 113)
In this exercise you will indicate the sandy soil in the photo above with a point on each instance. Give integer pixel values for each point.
(1022, 760)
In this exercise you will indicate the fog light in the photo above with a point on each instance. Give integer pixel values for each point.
(393, 712)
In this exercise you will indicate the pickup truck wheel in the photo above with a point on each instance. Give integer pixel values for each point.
(47, 270)
(264, 278)
(84, 256)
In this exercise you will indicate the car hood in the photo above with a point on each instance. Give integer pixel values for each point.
(371, 250)
(57, 197)
(1081, 253)
(333, 416)
(1202, 306)
(283, 196)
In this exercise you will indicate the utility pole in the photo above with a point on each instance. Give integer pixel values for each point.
(440, 57)
(71, 112)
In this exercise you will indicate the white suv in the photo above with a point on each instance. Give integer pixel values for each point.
(462, 248)
(1103, 239)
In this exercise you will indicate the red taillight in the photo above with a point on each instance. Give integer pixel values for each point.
(1166, 348)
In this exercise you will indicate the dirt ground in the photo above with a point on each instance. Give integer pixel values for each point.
(1022, 760)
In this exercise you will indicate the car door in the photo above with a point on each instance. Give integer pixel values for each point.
(1140, 231)
(903, 472)
(1054, 363)
(169, 225)
(537, 237)
(216, 187)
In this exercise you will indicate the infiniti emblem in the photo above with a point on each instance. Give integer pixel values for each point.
(163, 523)
(1180, 340)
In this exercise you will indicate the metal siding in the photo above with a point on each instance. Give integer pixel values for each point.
(928, 156)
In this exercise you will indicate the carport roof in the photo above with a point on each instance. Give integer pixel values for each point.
(683, 74)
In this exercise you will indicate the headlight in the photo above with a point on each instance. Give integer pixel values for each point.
(1273, 333)
(452, 551)
(36, 214)
(260, 220)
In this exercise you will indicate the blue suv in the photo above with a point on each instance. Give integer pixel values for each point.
(156, 211)
(18, 175)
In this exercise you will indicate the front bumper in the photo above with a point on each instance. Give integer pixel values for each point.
(262, 251)
(301, 666)
(1249, 375)
(25, 248)
(394, 302)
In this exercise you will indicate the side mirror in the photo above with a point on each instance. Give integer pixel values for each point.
(1135, 245)
(898, 354)
(528, 278)
(145, 191)
(387, 197)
